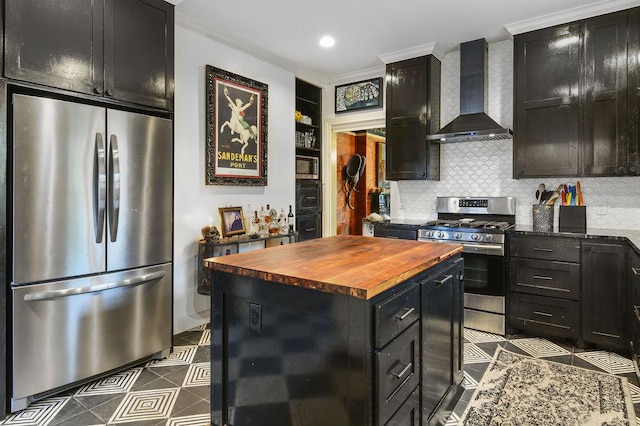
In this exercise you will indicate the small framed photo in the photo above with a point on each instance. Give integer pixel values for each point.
(359, 95)
(231, 221)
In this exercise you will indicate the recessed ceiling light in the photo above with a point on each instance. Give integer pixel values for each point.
(327, 41)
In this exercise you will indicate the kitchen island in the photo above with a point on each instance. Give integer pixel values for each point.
(343, 330)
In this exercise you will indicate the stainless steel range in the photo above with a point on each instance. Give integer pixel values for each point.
(479, 224)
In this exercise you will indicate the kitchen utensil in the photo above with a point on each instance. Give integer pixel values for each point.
(552, 200)
(539, 192)
(579, 189)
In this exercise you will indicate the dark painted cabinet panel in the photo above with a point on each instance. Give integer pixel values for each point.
(545, 315)
(605, 96)
(633, 96)
(412, 112)
(441, 337)
(547, 88)
(545, 278)
(604, 294)
(576, 98)
(57, 44)
(121, 49)
(139, 51)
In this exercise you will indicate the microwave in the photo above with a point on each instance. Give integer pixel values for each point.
(307, 167)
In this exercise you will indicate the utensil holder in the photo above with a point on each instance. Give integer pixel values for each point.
(543, 217)
(572, 219)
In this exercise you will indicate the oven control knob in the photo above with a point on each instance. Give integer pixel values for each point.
(439, 234)
(427, 234)
(476, 237)
(457, 235)
(488, 237)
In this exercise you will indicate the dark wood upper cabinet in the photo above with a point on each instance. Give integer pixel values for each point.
(547, 87)
(576, 98)
(139, 51)
(57, 44)
(412, 112)
(633, 95)
(605, 96)
(121, 49)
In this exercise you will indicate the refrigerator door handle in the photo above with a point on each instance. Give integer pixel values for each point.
(100, 188)
(114, 185)
(54, 294)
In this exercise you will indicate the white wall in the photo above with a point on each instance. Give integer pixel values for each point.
(196, 204)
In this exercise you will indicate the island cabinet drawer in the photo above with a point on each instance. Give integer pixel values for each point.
(395, 314)
(545, 278)
(546, 315)
(545, 248)
(397, 368)
(408, 414)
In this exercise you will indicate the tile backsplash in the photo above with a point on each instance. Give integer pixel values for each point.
(485, 168)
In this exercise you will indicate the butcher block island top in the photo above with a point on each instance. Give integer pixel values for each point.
(361, 267)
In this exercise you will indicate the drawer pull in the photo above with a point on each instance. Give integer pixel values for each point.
(635, 271)
(544, 314)
(541, 277)
(404, 371)
(546, 250)
(444, 280)
(407, 312)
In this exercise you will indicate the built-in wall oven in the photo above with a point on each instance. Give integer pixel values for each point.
(479, 224)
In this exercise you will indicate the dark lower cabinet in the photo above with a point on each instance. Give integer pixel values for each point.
(441, 337)
(584, 295)
(308, 209)
(283, 355)
(604, 284)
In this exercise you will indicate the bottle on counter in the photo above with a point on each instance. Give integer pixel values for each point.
(290, 220)
(284, 227)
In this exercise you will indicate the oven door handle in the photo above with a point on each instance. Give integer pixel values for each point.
(496, 249)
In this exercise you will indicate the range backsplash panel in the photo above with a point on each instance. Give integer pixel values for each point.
(485, 168)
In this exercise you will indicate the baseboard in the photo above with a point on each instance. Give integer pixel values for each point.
(192, 321)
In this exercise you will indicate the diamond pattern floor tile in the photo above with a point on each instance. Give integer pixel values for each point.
(539, 348)
(145, 405)
(473, 354)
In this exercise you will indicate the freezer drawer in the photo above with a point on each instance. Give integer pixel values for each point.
(68, 331)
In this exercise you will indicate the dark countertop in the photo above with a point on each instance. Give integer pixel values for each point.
(362, 267)
(630, 235)
(403, 222)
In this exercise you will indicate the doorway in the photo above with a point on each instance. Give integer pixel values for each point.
(354, 204)
(332, 128)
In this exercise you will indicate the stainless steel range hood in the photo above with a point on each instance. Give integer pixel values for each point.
(473, 123)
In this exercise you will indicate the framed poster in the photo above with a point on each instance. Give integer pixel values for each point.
(359, 95)
(236, 129)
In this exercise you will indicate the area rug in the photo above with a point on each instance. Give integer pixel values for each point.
(520, 390)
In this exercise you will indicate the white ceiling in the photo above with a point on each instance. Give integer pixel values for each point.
(286, 32)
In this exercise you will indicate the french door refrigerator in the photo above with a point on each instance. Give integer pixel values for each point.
(92, 242)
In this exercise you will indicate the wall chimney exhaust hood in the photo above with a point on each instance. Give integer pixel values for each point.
(473, 123)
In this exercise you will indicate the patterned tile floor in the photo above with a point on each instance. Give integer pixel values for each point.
(479, 348)
(175, 391)
(169, 392)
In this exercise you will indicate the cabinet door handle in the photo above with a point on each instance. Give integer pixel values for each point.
(544, 314)
(546, 250)
(541, 277)
(407, 312)
(444, 280)
(635, 271)
(404, 371)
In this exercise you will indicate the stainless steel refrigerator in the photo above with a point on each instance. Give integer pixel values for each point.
(91, 220)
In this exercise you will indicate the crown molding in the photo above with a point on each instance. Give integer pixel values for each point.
(205, 31)
(570, 15)
(412, 52)
(358, 75)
